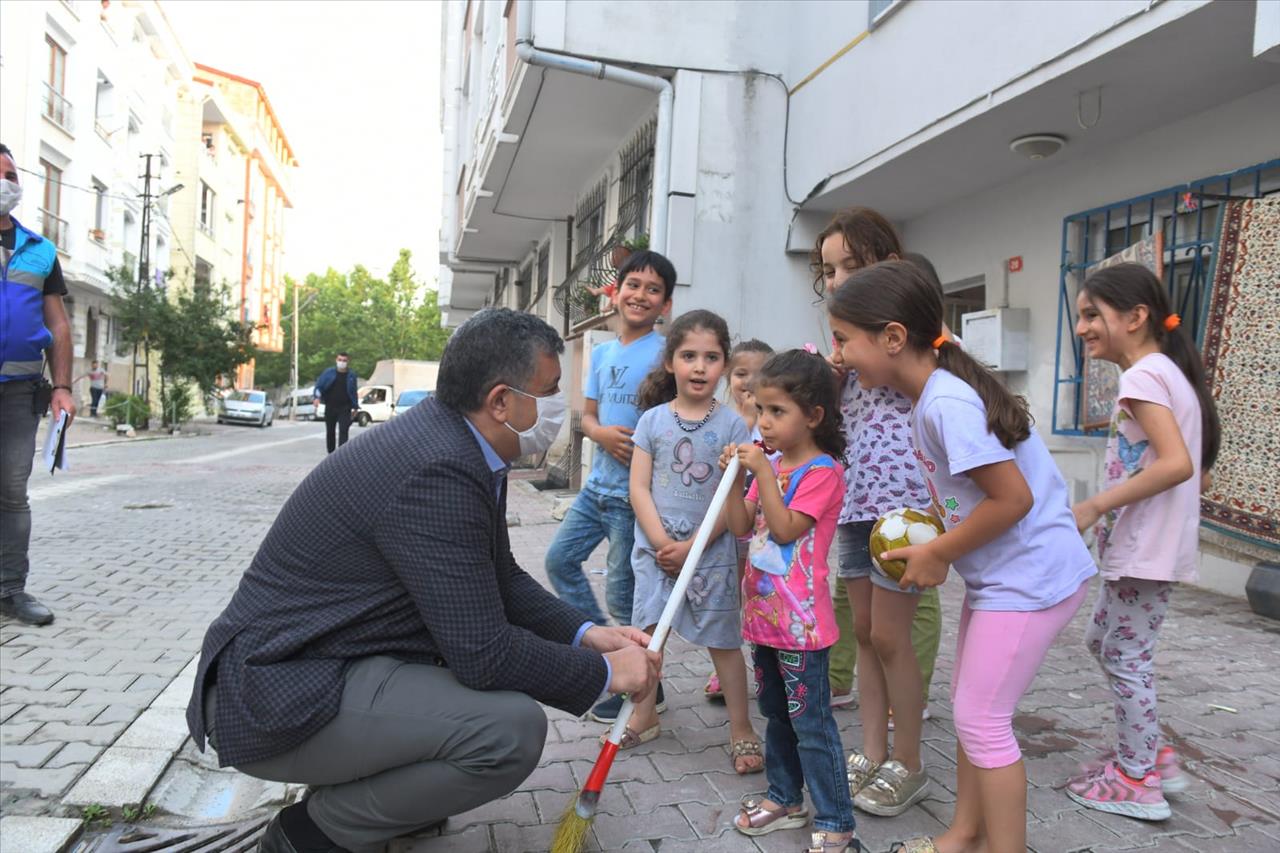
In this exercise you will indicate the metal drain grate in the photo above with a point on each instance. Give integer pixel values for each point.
(239, 837)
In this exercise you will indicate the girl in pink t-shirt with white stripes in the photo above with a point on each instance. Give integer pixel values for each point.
(1164, 437)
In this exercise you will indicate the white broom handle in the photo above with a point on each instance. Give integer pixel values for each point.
(676, 599)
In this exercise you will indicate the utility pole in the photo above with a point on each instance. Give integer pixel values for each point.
(293, 372)
(144, 262)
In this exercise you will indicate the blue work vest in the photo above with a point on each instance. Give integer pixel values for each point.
(23, 334)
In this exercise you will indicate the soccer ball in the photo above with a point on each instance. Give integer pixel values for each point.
(899, 528)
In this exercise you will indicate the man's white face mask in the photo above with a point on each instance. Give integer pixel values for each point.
(10, 195)
(539, 437)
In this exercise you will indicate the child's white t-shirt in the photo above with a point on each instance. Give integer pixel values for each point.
(1155, 538)
(1033, 565)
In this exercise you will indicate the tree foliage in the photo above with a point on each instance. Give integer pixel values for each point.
(369, 318)
(195, 334)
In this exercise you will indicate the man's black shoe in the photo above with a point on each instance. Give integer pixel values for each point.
(607, 711)
(274, 840)
(23, 607)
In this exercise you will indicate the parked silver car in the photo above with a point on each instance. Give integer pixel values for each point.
(246, 407)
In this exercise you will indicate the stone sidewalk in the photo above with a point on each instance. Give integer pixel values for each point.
(679, 793)
(97, 697)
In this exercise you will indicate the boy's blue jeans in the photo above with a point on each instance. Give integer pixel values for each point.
(801, 742)
(593, 518)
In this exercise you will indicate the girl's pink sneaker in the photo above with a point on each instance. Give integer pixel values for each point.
(1110, 789)
(1173, 779)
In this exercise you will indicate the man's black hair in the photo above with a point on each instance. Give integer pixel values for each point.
(342, 355)
(4, 149)
(497, 346)
(647, 259)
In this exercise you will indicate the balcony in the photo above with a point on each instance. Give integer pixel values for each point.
(206, 227)
(58, 109)
(54, 229)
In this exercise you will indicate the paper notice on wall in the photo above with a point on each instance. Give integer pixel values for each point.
(55, 445)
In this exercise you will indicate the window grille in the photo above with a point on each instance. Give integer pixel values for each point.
(635, 183)
(1187, 219)
(589, 222)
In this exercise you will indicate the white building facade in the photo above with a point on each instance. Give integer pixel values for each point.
(783, 113)
(87, 89)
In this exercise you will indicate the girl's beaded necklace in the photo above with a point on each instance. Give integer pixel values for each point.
(692, 426)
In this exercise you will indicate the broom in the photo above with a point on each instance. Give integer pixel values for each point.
(572, 831)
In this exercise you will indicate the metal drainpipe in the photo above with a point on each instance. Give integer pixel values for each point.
(590, 68)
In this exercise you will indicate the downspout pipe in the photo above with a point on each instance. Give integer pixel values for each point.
(602, 71)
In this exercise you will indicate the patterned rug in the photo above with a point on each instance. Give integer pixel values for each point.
(1242, 360)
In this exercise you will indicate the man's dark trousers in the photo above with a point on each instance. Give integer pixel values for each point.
(341, 418)
(440, 749)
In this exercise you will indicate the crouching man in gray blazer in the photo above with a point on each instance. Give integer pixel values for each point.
(383, 647)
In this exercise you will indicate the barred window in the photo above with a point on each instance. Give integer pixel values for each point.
(635, 183)
(589, 222)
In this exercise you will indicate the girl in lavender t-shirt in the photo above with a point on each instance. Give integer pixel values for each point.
(1009, 533)
(1164, 435)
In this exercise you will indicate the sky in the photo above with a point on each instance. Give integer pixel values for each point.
(355, 86)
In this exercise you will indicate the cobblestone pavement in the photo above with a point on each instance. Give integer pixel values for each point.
(136, 549)
(141, 546)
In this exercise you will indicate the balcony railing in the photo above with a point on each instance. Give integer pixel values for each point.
(206, 228)
(58, 109)
(54, 229)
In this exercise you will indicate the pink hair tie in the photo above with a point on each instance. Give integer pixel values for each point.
(812, 349)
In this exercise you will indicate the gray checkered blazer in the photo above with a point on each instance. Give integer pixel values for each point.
(395, 545)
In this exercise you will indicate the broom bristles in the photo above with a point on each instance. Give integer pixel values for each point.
(571, 834)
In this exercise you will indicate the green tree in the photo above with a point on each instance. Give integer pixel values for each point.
(193, 335)
(370, 318)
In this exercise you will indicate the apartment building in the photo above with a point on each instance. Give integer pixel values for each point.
(1017, 145)
(87, 89)
(263, 195)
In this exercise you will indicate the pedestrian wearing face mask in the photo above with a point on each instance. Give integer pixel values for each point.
(336, 388)
(35, 330)
(383, 647)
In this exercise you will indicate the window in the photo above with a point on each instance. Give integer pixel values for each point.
(524, 288)
(635, 183)
(56, 107)
(206, 209)
(100, 210)
(589, 222)
(509, 16)
(54, 227)
(962, 297)
(204, 272)
(1179, 226)
(102, 107)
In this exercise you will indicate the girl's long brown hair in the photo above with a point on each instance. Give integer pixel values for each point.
(1126, 286)
(870, 237)
(660, 385)
(898, 292)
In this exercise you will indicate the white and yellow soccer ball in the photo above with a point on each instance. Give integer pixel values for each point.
(899, 528)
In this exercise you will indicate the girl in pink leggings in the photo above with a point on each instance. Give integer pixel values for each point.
(1009, 533)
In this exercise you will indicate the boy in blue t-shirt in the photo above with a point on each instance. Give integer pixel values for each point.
(602, 509)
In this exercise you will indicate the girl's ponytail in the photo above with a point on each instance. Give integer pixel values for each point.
(1126, 286)
(898, 292)
(1008, 417)
(657, 388)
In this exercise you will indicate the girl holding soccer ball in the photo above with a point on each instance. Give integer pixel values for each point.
(1024, 565)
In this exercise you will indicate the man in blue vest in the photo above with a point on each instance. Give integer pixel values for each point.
(336, 388)
(34, 325)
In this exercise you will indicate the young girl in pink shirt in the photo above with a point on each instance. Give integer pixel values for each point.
(792, 507)
(1164, 435)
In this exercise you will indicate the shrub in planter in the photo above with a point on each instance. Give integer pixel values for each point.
(129, 409)
(175, 404)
